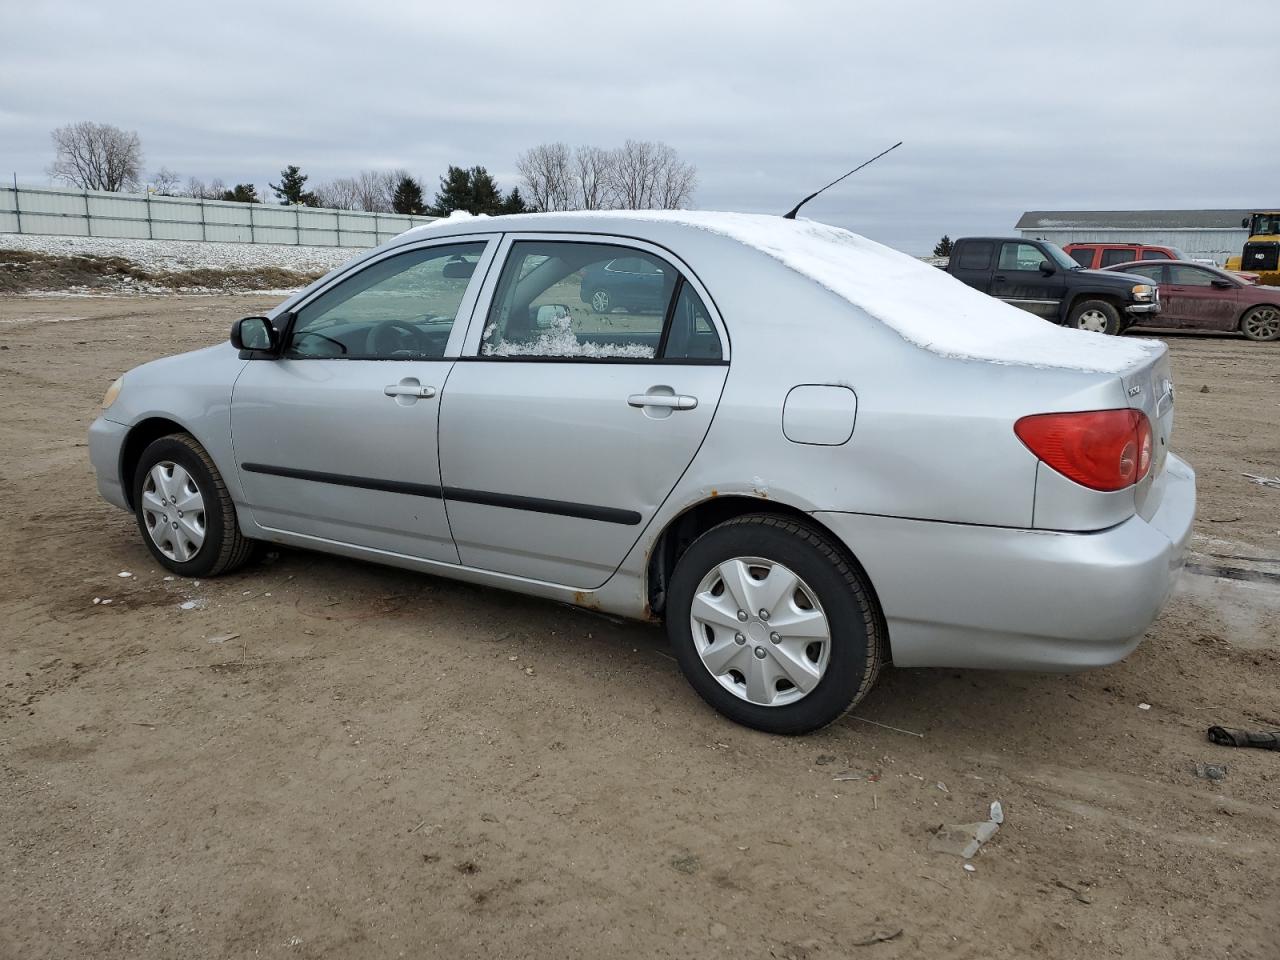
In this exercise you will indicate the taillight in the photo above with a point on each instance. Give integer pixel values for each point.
(1100, 449)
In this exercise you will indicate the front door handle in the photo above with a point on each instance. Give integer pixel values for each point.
(1000, 278)
(670, 401)
(408, 387)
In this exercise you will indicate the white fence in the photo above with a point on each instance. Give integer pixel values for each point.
(96, 213)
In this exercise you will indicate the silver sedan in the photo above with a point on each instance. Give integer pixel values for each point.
(808, 454)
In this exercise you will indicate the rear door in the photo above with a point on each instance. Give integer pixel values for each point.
(1112, 255)
(1194, 301)
(1018, 280)
(562, 431)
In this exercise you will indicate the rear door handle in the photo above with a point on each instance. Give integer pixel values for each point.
(673, 402)
(1000, 277)
(408, 390)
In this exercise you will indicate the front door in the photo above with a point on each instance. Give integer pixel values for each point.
(563, 430)
(1192, 300)
(1018, 280)
(336, 439)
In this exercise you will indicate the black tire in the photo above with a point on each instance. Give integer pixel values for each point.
(1090, 309)
(1261, 324)
(600, 301)
(224, 548)
(856, 627)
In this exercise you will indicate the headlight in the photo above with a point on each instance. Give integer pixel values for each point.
(1143, 291)
(113, 391)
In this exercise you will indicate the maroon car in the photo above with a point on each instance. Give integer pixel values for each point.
(1197, 297)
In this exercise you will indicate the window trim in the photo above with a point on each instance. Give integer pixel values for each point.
(461, 323)
(470, 351)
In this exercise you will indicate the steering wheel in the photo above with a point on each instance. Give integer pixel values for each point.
(391, 337)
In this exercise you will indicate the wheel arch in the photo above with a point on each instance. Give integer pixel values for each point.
(697, 519)
(139, 437)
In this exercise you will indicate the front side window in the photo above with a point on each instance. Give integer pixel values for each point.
(1114, 255)
(1190, 276)
(579, 300)
(1020, 256)
(400, 308)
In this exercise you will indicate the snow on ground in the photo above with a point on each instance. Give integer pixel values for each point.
(165, 256)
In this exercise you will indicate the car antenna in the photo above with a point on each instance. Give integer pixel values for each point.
(796, 209)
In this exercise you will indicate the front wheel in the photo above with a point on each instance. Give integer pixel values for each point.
(1096, 316)
(1261, 323)
(600, 301)
(772, 626)
(184, 512)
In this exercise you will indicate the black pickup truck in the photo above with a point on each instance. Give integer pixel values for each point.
(1040, 278)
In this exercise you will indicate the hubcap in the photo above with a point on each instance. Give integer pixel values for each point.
(779, 652)
(173, 510)
(600, 301)
(1263, 323)
(1092, 320)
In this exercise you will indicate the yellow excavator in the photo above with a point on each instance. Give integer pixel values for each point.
(1261, 254)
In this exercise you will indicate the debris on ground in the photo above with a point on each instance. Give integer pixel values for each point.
(1263, 481)
(1144, 706)
(223, 638)
(688, 864)
(192, 604)
(880, 936)
(1205, 388)
(1229, 737)
(1076, 892)
(962, 839)
(997, 812)
(124, 574)
(970, 868)
(823, 759)
(1217, 772)
(871, 776)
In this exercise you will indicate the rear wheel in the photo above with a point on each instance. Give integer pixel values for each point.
(773, 626)
(1261, 323)
(600, 301)
(1096, 316)
(184, 512)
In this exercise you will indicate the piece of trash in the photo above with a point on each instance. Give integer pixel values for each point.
(962, 839)
(942, 786)
(876, 723)
(879, 937)
(1205, 388)
(970, 867)
(1075, 892)
(513, 658)
(105, 602)
(1217, 772)
(822, 759)
(1144, 706)
(997, 812)
(1228, 737)
(528, 671)
(192, 605)
(124, 573)
(1263, 481)
(223, 637)
(97, 599)
(169, 578)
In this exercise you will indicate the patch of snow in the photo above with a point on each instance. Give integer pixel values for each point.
(161, 256)
(923, 304)
(560, 341)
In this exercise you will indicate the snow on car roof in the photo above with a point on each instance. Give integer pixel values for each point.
(925, 305)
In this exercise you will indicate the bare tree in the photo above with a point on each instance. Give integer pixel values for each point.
(96, 156)
(593, 175)
(165, 182)
(197, 189)
(649, 175)
(340, 194)
(548, 177)
(376, 188)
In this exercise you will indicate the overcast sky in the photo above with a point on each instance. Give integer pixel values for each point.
(1003, 107)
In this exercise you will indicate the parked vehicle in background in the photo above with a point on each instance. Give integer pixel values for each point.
(630, 283)
(1197, 297)
(1039, 277)
(1261, 253)
(1096, 256)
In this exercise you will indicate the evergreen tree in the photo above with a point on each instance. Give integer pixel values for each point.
(943, 247)
(292, 188)
(472, 190)
(242, 193)
(407, 196)
(514, 202)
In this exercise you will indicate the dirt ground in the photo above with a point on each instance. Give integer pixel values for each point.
(382, 764)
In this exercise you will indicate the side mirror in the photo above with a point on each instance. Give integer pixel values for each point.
(1221, 283)
(546, 316)
(1047, 268)
(254, 337)
(458, 269)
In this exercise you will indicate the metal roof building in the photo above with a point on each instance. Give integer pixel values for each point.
(1201, 234)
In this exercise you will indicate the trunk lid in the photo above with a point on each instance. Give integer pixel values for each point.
(1149, 388)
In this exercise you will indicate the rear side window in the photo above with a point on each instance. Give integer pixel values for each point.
(1153, 273)
(692, 335)
(1083, 256)
(1154, 255)
(1122, 255)
(975, 255)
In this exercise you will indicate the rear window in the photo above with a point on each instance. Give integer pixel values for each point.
(1111, 257)
(976, 255)
(1083, 256)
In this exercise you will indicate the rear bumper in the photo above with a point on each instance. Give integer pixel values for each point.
(967, 596)
(106, 439)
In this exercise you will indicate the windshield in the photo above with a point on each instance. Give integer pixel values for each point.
(1060, 257)
(1265, 223)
